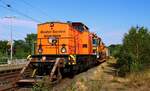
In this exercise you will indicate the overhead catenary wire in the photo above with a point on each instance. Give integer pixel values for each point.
(35, 7)
(10, 8)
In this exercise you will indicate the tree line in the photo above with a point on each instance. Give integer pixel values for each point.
(21, 48)
(133, 55)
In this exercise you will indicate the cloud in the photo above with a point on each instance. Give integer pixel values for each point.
(18, 22)
(110, 35)
(20, 28)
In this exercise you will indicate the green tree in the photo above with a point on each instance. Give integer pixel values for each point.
(20, 49)
(134, 54)
(3, 52)
(30, 39)
(24, 47)
(3, 48)
(114, 49)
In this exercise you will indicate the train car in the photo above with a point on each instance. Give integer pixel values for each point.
(62, 47)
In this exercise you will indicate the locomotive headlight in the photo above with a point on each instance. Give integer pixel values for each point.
(63, 50)
(40, 50)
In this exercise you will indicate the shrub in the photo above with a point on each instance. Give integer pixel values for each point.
(134, 53)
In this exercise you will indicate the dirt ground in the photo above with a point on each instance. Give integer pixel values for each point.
(103, 78)
(99, 78)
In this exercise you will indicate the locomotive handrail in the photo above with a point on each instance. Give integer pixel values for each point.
(56, 67)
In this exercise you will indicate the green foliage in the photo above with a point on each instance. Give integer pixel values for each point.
(3, 60)
(114, 49)
(21, 48)
(30, 39)
(43, 85)
(3, 48)
(134, 54)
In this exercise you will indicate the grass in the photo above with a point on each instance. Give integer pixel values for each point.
(82, 84)
(44, 85)
(139, 81)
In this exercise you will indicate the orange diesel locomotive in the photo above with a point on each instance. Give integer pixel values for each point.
(63, 47)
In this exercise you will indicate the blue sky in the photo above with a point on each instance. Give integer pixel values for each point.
(110, 19)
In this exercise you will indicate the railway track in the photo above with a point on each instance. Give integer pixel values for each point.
(8, 79)
(8, 75)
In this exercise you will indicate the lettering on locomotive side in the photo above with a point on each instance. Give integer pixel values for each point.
(46, 36)
(59, 31)
(46, 32)
(53, 31)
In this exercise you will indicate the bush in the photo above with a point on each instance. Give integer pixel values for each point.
(134, 53)
(43, 85)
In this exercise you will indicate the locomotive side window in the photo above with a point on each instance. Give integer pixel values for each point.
(95, 41)
(84, 46)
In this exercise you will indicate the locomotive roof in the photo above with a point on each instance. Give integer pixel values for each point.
(68, 22)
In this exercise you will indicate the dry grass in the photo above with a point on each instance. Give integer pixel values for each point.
(82, 84)
(92, 80)
(139, 81)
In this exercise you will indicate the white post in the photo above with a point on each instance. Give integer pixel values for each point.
(11, 55)
(11, 37)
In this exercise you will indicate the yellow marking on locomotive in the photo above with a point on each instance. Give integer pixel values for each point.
(29, 57)
(72, 59)
(34, 72)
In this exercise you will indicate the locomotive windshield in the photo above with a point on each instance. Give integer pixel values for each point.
(78, 26)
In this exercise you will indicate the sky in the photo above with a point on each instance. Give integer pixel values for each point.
(110, 19)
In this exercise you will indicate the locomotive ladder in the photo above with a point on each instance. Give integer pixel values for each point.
(55, 75)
